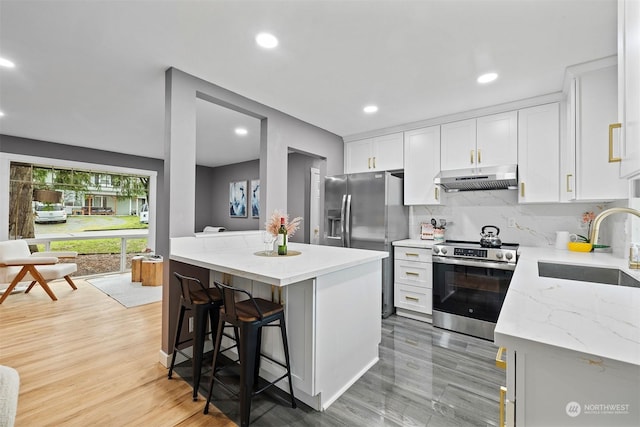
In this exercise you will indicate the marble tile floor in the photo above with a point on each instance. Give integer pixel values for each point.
(425, 377)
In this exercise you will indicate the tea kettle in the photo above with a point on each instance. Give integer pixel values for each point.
(488, 239)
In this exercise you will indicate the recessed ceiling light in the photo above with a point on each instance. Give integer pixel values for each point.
(1, 114)
(487, 78)
(6, 63)
(241, 131)
(266, 40)
(370, 109)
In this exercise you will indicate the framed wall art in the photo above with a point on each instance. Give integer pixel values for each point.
(255, 198)
(238, 199)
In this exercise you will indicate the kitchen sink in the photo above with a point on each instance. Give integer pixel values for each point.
(583, 273)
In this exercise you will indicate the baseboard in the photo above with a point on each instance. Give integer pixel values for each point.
(165, 358)
(414, 315)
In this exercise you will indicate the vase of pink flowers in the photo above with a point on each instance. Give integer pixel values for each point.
(273, 224)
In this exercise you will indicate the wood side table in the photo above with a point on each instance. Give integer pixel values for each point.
(152, 272)
(136, 268)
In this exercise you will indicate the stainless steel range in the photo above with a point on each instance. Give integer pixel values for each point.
(470, 283)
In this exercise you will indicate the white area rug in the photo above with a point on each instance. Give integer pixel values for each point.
(128, 293)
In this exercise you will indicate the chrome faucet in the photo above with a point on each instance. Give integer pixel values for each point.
(593, 238)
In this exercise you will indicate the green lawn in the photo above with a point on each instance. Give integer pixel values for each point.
(98, 246)
(79, 223)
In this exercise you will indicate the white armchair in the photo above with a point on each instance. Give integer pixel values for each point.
(18, 264)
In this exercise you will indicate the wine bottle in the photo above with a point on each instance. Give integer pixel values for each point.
(282, 238)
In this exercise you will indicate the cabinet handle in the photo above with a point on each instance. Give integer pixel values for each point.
(522, 189)
(374, 162)
(411, 273)
(411, 254)
(569, 190)
(479, 156)
(499, 362)
(471, 155)
(503, 395)
(369, 162)
(435, 191)
(611, 128)
(412, 298)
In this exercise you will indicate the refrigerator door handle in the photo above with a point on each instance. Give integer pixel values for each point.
(347, 225)
(342, 228)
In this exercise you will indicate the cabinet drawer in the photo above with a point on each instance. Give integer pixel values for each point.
(412, 254)
(413, 273)
(413, 298)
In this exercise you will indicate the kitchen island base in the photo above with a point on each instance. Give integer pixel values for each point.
(333, 327)
(332, 299)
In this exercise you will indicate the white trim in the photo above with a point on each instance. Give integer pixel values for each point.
(471, 114)
(7, 158)
(72, 164)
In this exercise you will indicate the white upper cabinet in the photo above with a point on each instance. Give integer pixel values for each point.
(538, 154)
(629, 86)
(458, 145)
(482, 142)
(497, 139)
(421, 165)
(587, 171)
(374, 154)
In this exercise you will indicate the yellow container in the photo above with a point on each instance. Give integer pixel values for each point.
(580, 246)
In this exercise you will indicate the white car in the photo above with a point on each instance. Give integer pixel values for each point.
(144, 214)
(50, 212)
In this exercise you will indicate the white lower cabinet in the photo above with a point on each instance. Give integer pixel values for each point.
(413, 279)
(550, 386)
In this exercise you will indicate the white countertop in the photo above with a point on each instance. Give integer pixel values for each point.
(596, 319)
(414, 243)
(236, 255)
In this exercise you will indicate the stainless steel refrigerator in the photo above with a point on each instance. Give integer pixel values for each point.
(366, 211)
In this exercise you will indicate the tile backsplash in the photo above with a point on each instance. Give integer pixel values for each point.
(533, 224)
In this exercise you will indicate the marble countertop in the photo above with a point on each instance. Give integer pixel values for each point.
(595, 319)
(236, 255)
(414, 243)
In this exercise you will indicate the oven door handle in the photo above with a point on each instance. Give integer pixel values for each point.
(473, 263)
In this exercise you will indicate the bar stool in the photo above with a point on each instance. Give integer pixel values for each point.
(202, 301)
(249, 316)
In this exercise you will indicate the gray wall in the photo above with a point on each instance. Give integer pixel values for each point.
(204, 207)
(279, 133)
(298, 196)
(218, 200)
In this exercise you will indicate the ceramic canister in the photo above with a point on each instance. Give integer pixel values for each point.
(562, 238)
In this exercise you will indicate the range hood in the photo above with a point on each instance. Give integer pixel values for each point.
(485, 178)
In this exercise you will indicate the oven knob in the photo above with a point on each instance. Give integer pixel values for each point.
(444, 251)
(499, 255)
(509, 255)
(435, 250)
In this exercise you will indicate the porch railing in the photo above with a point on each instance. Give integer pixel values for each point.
(123, 235)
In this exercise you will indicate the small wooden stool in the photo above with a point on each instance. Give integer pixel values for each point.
(136, 268)
(152, 272)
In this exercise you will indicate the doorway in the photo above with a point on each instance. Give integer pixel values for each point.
(304, 194)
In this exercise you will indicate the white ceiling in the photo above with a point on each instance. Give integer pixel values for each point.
(91, 73)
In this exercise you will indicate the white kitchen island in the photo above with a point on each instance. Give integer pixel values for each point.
(332, 298)
(573, 347)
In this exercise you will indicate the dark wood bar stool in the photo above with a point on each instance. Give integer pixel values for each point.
(203, 302)
(250, 316)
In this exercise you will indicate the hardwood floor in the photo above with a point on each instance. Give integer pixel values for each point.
(86, 360)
